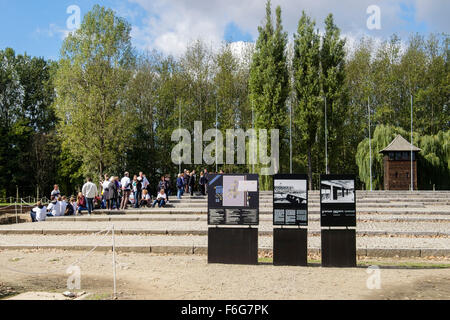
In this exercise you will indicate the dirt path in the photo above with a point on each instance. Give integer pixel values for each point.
(144, 276)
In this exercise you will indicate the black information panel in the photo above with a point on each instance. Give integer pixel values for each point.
(290, 247)
(337, 201)
(233, 245)
(290, 200)
(338, 248)
(233, 199)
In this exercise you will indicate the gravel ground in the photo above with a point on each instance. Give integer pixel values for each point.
(202, 241)
(441, 227)
(146, 276)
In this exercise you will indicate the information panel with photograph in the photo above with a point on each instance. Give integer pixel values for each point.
(290, 199)
(337, 201)
(233, 199)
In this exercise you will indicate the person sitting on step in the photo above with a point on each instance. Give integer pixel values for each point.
(161, 199)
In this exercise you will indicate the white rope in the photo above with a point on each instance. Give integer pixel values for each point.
(72, 264)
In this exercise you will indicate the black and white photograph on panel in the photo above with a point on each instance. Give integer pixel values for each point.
(290, 191)
(290, 199)
(337, 191)
(337, 201)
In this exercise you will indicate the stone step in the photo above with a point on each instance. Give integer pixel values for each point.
(188, 218)
(199, 211)
(204, 232)
(172, 245)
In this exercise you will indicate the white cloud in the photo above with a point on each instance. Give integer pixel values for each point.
(170, 25)
(52, 31)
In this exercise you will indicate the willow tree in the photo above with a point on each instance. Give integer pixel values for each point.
(95, 68)
(433, 161)
(269, 77)
(306, 64)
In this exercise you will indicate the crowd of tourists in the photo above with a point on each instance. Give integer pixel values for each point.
(114, 193)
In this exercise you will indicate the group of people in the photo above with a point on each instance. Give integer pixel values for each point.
(118, 194)
(186, 182)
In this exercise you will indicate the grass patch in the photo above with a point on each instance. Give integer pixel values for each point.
(99, 296)
(385, 264)
(412, 265)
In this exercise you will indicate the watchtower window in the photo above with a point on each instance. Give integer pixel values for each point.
(391, 155)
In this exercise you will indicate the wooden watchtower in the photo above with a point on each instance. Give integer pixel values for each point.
(397, 164)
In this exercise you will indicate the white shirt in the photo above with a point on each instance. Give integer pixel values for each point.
(161, 196)
(74, 205)
(126, 183)
(146, 197)
(54, 209)
(41, 214)
(62, 207)
(89, 190)
(145, 182)
(105, 185)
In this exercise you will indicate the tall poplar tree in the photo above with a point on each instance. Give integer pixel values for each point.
(306, 64)
(269, 77)
(333, 86)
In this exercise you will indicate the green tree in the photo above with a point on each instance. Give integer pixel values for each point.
(333, 56)
(95, 69)
(269, 77)
(306, 64)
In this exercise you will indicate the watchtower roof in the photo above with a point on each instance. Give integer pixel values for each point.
(400, 144)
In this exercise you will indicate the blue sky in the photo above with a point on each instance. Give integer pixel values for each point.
(38, 27)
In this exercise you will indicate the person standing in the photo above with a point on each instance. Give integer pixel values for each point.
(162, 184)
(206, 177)
(105, 186)
(126, 189)
(202, 183)
(89, 191)
(186, 181)
(168, 187)
(192, 180)
(112, 193)
(137, 188)
(180, 186)
(55, 192)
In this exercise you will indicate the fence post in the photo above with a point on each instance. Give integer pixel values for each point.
(114, 263)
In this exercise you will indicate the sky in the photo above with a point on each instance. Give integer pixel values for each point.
(39, 27)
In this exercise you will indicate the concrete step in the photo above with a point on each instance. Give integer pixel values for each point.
(204, 232)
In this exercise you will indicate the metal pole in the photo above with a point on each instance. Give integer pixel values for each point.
(370, 143)
(15, 204)
(179, 127)
(412, 173)
(253, 127)
(326, 138)
(290, 136)
(114, 263)
(216, 139)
